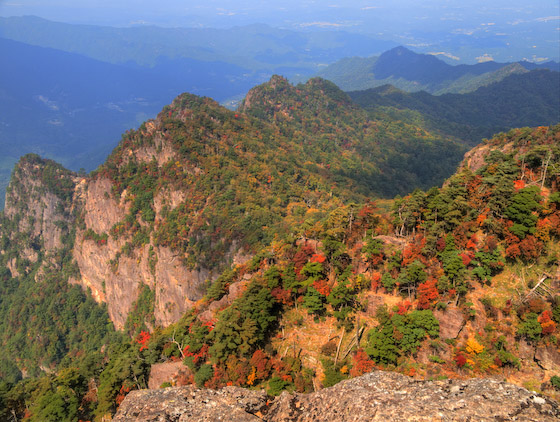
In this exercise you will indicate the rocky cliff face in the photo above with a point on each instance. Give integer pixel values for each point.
(50, 208)
(110, 237)
(377, 396)
(116, 278)
(517, 143)
(39, 207)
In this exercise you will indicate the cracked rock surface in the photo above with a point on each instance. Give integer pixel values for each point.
(188, 403)
(377, 396)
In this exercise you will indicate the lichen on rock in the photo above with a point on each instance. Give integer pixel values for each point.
(377, 396)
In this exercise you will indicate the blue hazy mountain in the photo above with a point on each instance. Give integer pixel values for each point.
(412, 72)
(507, 30)
(256, 46)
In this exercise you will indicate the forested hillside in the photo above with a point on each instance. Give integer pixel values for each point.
(69, 91)
(527, 99)
(252, 248)
(203, 182)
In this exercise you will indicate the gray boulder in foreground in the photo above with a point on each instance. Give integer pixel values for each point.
(377, 396)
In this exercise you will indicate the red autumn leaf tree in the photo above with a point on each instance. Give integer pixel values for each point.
(361, 363)
(143, 339)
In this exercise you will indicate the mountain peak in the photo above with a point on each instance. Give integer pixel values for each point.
(278, 80)
(399, 51)
(279, 98)
(400, 62)
(387, 89)
(265, 93)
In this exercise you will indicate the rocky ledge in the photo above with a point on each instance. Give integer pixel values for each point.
(377, 396)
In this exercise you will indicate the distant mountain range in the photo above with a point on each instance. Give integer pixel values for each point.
(255, 47)
(69, 107)
(413, 72)
(68, 92)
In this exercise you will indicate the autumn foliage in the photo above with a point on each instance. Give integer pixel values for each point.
(427, 294)
(361, 363)
(547, 324)
(460, 359)
(143, 339)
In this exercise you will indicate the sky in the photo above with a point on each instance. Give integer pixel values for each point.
(349, 13)
(529, 27)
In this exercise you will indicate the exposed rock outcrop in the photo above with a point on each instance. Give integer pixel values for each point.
(44, 201)
(174, 372)
(39, 203)
(377, 396)
(189, 403)
(548, 357)
(451, 322)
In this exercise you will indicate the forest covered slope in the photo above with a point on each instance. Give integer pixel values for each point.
(526, 99)
(194, 190)
(252, 246)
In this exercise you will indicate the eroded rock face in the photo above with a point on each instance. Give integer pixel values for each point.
(166, 372)
(451, 322)
(44, 202)
(40, 222)
(116, 278)
(548, 357)
(119, 285)
(42, 215)
(373, 304)
(377, 396)
(47, 202)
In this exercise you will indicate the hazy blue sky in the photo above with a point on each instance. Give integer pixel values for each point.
(358, 14)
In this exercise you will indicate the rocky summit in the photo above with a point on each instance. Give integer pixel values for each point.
(377, 396)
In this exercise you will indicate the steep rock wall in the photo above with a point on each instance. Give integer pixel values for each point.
(39, 207)
(116, 278)
(51, 208)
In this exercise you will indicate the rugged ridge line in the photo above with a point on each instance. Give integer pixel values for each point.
(201, 187)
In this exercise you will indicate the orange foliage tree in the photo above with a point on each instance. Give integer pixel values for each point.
(427, 294)
(361, 363)
(547, 324)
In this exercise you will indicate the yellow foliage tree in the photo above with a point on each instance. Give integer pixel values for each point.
(474, 347)
(252, 376)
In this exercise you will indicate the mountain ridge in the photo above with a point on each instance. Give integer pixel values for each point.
(62, 105)
(236, 46)
(530, 97)
(413, 72)
(136, 202)
(247, 246)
